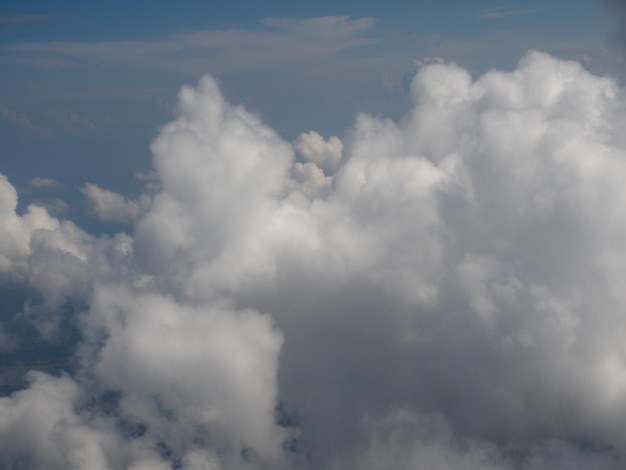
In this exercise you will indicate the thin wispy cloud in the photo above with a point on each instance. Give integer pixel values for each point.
(280, 41)
(39, 183)
(22, 121)
(499, 13)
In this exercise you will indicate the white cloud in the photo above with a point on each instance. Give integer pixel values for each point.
(191, 373)
(328, 28)
(499, 13)
(54, 257)
(282, 41)
(219, 186)
(43, 183)
(54, 206)
(428, 60)
(325, 154)
(464, 265)
(16, 231)
(27, 420)
(310, 179)
(108, 205)
(41, 428)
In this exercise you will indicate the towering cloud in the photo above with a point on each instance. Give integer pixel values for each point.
(443, 291)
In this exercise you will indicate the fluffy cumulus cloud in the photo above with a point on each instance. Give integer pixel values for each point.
(202, 377)
(444, 291)
(111, 206)
(52, 259)
(324, 153)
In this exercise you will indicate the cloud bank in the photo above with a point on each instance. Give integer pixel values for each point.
(443, 291)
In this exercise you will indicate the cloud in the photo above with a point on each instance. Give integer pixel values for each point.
(310, 179)
(405, 440)
(6, 341)
(53, 257)
(110, 206)
(282, 41)
(226, 415)
(69, 120)
(43, 183)
(450, 294)
(22, 121)
(41, 428)
(330, 28)
(192, 374)
(325, 154)
(54, 206)
(228, 167)
(17, 231)
(499, 13)
(29, 416)
(427, 60)
(44, 188)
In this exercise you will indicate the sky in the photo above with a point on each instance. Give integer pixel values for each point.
(322, 235)
(93, 82)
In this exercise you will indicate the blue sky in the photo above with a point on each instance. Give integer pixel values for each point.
(144, 19)
(86, 85)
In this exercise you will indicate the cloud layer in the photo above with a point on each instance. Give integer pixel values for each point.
(444, 291)
(279, 42)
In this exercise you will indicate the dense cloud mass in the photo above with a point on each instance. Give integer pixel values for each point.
(445, 291)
